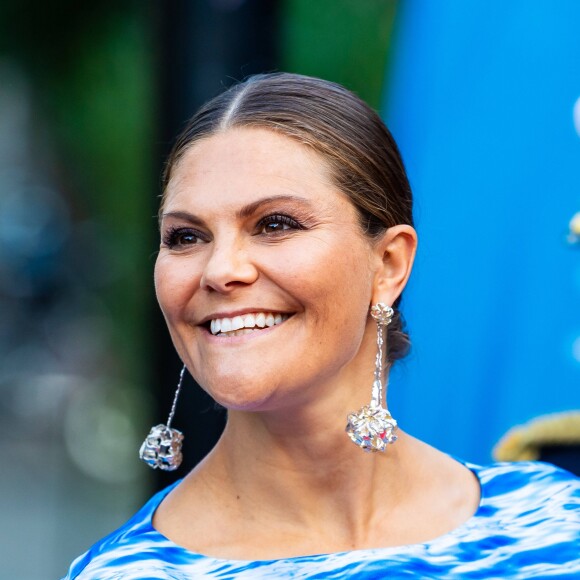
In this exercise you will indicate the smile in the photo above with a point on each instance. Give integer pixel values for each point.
(245, 324)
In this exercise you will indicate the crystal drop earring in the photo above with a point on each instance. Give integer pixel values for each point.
(372, 428)
(162, 447)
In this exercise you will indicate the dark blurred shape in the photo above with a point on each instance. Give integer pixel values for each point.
(565, 456)
(47, 35)
(204, 46)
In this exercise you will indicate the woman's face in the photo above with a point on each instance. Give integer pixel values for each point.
(263, 275)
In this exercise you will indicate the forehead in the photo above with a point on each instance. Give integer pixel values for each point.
(240, 165)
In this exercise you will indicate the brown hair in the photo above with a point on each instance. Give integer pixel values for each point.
(362, 155)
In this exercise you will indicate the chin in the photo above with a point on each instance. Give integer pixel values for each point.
(239, 402)
(238, 395)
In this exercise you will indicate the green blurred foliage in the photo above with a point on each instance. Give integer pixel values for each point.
(105, 117)
(50, 38)
(90, 68)
(346, 41)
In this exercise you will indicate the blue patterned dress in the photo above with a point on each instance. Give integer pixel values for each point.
(527, 526)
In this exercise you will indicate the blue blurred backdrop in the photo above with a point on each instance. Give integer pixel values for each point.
(481, 101)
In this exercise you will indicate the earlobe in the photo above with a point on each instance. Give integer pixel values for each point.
(395, 253)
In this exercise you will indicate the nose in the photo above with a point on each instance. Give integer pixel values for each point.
(228, 267)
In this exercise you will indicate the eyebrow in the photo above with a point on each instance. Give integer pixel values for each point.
(243, 212)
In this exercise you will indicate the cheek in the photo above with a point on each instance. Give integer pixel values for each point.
(174, 281)
(332, 281)
(337, 270)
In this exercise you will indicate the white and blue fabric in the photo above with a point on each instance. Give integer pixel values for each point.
(527, 526)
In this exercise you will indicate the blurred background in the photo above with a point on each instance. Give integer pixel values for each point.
(484, 99)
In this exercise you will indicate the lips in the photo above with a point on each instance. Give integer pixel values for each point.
(245, 323)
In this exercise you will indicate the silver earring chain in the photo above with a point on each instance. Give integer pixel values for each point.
(377, 399)
(177, 391)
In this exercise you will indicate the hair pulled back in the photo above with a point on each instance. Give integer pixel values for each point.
(362, 156)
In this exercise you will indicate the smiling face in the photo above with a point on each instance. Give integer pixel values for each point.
(263, 275)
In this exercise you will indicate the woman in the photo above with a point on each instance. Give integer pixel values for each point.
(286, 237)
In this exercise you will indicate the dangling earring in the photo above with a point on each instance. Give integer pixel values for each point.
(372, 427)
(162, 447)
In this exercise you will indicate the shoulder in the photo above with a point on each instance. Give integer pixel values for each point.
(129, 551)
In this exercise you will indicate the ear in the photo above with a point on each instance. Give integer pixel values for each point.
(394, 256)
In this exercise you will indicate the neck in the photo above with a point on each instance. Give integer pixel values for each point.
(294, 463)
(290, 482)
(270, 462)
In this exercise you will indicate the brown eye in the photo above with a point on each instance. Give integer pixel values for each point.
(179, 237)
(273, 224)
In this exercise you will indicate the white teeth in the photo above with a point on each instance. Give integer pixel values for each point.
(239, 332)
(240, 325)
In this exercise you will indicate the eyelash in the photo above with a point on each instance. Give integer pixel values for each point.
(279, 218)
(173, 236)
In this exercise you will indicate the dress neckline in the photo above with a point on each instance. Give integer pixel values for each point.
(148, 511)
